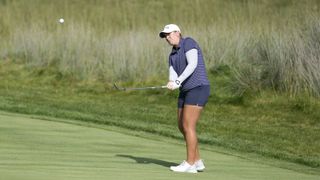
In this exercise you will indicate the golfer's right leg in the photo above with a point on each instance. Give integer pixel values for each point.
(180, 125)
(180, 120)
(184, 166)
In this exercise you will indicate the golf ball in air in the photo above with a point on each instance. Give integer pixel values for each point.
(61, 20)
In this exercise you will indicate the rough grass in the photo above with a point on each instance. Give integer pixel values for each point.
(268, 44)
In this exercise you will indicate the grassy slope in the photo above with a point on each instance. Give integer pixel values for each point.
(269, 125)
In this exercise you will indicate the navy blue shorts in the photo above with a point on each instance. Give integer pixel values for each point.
(197, 96)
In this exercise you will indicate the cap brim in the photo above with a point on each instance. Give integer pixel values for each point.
(162, 34)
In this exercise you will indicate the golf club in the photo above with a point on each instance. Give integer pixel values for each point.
(137, 88)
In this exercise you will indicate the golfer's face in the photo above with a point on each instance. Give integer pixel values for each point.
(173, 38)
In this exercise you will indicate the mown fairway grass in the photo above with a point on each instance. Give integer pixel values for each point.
(44, 149)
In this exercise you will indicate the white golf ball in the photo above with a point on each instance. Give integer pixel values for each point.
(61, 20)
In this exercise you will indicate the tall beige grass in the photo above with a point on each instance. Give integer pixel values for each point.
(268, 44)
(75, 51)
(286, 61)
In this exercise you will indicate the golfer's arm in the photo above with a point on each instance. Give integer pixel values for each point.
(192, 58)
(172, 74)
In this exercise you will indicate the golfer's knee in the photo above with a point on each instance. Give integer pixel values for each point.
(187, 128)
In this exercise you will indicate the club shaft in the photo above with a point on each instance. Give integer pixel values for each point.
(139, 88)
(144, 88)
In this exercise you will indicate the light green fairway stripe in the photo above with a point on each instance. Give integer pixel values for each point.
(36, 149)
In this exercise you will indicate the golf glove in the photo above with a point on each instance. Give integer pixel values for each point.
(172, 85)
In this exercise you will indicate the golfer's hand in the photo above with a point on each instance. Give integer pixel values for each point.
(172, 85)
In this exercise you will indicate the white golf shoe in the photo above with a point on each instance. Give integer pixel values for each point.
(184, 167)
(199, 165)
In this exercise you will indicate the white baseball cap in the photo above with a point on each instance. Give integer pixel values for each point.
(168, 29)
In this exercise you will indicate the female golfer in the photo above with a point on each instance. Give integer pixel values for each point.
(188, 73)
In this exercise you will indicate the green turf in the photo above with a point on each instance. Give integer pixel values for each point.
(40, 149)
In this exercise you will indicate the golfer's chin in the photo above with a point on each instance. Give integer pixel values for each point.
(171, 44)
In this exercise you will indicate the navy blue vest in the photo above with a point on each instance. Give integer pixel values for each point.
(178, 61)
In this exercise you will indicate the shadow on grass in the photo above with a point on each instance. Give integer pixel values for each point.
(144, 160)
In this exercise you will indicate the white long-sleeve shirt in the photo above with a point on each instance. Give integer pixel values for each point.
(192, 59)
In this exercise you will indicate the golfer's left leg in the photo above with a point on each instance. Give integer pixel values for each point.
(191, 115)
